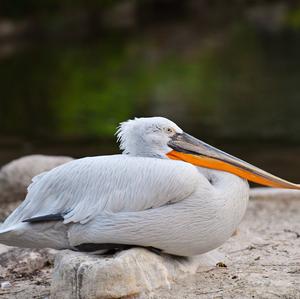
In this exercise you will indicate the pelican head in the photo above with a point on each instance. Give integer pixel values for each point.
(147, 136)
(160, 137)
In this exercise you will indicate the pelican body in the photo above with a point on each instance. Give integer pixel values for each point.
(168, 190)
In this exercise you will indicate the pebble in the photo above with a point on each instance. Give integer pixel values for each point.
(5, 285)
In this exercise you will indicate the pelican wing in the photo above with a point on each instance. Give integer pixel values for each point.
(86, 187)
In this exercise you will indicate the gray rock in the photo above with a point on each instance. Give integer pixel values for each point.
(132, 272)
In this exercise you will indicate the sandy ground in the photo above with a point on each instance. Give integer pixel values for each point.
(262, 261)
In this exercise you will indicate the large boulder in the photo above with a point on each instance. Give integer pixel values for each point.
(128, 273)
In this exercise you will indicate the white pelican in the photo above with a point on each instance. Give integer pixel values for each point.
(168, 190)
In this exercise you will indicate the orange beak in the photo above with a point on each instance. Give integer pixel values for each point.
(189, 149)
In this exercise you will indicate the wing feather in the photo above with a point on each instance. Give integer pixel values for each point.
(90, 186)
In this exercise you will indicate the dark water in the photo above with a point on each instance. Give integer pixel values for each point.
(235, 85)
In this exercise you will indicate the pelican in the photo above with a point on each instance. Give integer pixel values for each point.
(167, 191)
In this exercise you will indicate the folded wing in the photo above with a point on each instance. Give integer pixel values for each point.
(86, 187)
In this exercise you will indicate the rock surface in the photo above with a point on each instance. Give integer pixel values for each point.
(131, 272)
(26, 261)
(26, 271)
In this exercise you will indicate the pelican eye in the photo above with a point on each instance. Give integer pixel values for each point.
(170, 130)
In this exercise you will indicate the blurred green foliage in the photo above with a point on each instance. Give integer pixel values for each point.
(243, 88)
(236, 78)
(293, 18)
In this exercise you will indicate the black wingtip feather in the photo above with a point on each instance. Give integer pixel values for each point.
(44, 218)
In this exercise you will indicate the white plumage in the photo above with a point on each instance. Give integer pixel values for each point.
(139, 198)
(90, 186)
